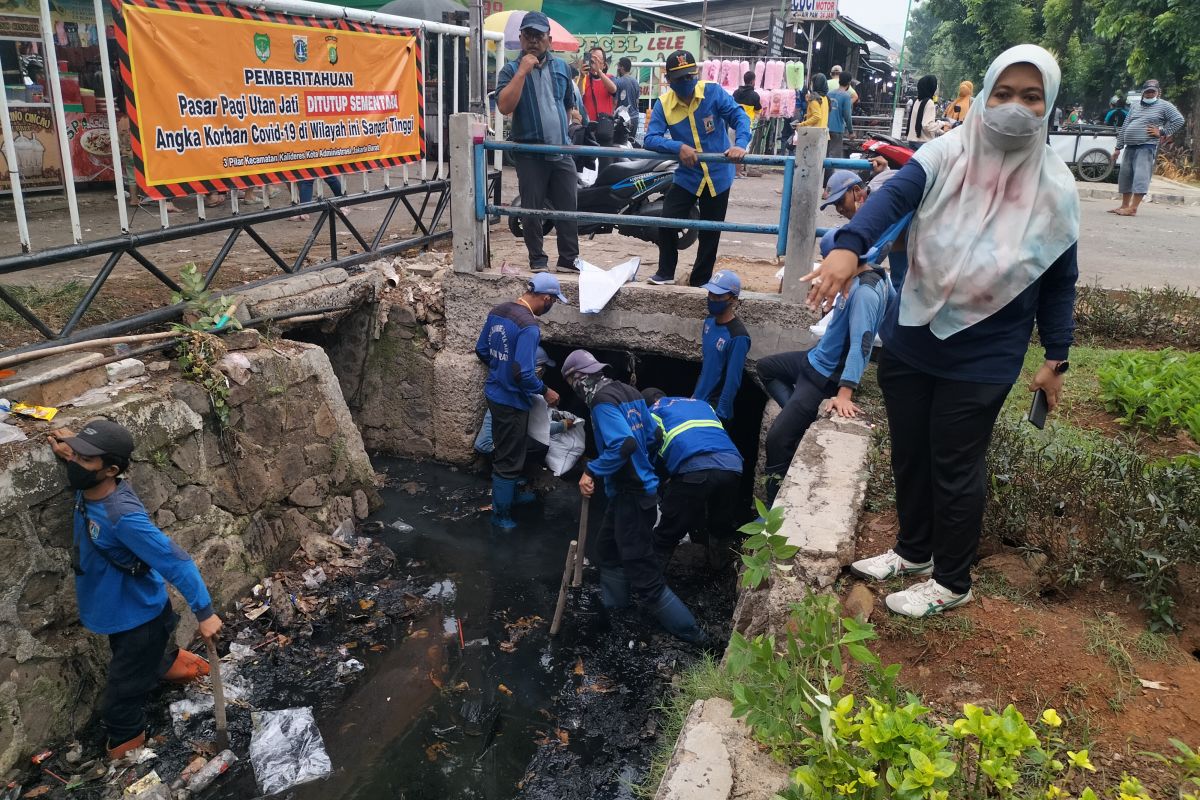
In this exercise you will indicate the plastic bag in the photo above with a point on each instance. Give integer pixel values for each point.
(597, 286)
(566, 448)
(286, 749)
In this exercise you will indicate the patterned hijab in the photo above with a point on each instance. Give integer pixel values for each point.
(991, 221)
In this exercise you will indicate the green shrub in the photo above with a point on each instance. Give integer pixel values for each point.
(1157, 391)
(1158, 317)
(792, 697)
(1095, 507)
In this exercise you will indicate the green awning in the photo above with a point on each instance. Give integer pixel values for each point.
(846, 33)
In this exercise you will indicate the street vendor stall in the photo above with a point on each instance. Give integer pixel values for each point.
(1087, 148)
(31, 98)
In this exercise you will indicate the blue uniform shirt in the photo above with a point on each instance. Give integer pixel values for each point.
(724, 348)
(691, 438)
(508, 345)
(624, 433)
(110, 599)
(846, 346)
(703, 124)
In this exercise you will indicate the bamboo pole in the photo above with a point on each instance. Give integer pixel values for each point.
(583, 531)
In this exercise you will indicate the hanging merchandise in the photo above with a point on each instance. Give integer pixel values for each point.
(795, 75)
(760, 69)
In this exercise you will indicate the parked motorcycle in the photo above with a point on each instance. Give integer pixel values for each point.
(635, 187)
(895, 151)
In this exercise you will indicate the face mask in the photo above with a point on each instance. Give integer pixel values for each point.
(1010, 126)
(545, 309)
(684, 87)
(715, 307)
(80, 477)
(1149, 101)
(587, 386)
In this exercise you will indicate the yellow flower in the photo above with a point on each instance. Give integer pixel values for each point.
(1055, 793)
(1051, 718)
(846, 789)
(1080, 760)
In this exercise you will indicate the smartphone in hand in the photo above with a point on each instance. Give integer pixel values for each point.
(1038, 409)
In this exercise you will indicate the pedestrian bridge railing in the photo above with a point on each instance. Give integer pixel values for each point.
(780, 229)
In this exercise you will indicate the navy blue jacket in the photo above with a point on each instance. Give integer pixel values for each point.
(992, 350)
(691, 438)
(508, 345)
(111, 600)
(624, 433)
(724, 348)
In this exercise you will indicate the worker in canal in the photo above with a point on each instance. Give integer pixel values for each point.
(694, 117)
(120, 559)
(725, 343)
(703, 470)
(624, 432)
(508, 345)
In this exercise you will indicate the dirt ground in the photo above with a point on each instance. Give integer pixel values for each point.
(1083, 652)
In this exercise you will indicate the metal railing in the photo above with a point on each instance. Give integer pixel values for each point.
(779, 229)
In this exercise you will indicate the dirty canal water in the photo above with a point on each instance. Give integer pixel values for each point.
(469, 697)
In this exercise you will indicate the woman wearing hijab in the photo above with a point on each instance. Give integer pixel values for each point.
(962, 103)
(923, 124)
(817, 115)
(991, 251)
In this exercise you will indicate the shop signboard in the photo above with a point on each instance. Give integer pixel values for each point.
(284, 101)
(813, 10)
(38, 160)
(640, 46)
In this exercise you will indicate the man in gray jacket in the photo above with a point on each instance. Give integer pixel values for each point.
(1149, 122)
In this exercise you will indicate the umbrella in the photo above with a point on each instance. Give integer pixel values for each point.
(509, 23)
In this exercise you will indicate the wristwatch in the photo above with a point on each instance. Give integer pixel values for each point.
(1061, 367)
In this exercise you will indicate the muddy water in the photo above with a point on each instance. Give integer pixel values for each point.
(477, 701)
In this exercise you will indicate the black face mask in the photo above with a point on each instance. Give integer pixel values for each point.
(546, 306)
(80, 477)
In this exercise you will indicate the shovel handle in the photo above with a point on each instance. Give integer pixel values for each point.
(582, 539)
(214, 672)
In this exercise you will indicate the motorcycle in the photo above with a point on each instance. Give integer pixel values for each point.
(633, 187)
(895, 151)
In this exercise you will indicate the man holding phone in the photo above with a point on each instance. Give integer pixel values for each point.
(538, 92)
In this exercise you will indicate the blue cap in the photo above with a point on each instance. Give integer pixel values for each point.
(545, 283)
(840, 182)
(725, 282)
(536, 20)
(827, 241)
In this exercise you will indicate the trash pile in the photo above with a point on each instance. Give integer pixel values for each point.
(293, 646)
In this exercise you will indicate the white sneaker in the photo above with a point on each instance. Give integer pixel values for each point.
(889, 565)
(925, 598)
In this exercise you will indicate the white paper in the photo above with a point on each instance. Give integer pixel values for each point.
(597, 286)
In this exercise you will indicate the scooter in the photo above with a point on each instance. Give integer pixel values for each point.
(634, 187)
(895, 151)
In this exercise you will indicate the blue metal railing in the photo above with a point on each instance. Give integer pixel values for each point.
(780, 230)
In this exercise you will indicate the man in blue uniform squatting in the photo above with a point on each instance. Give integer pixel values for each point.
(693, 117)
(120, 559)
(624, 433)
(703, 468)
(725, 343)
(508, 345)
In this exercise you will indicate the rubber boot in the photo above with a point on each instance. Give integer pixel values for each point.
(523, 497)
(675, 617)
(503, 490)
(614, 588)
(186, 668)
(119, 751)
(779, 392)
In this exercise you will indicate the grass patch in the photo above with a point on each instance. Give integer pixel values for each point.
(54, 304)
(958, 626)
(1107, 636)
(703, 680)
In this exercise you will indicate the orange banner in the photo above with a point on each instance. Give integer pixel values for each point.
(217, 98)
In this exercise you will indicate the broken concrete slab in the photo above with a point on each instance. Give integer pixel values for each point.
(715, 758)
(59, 391)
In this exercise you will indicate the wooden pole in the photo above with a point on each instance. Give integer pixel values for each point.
(214, 674)
(562, 589)
(583, 530)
